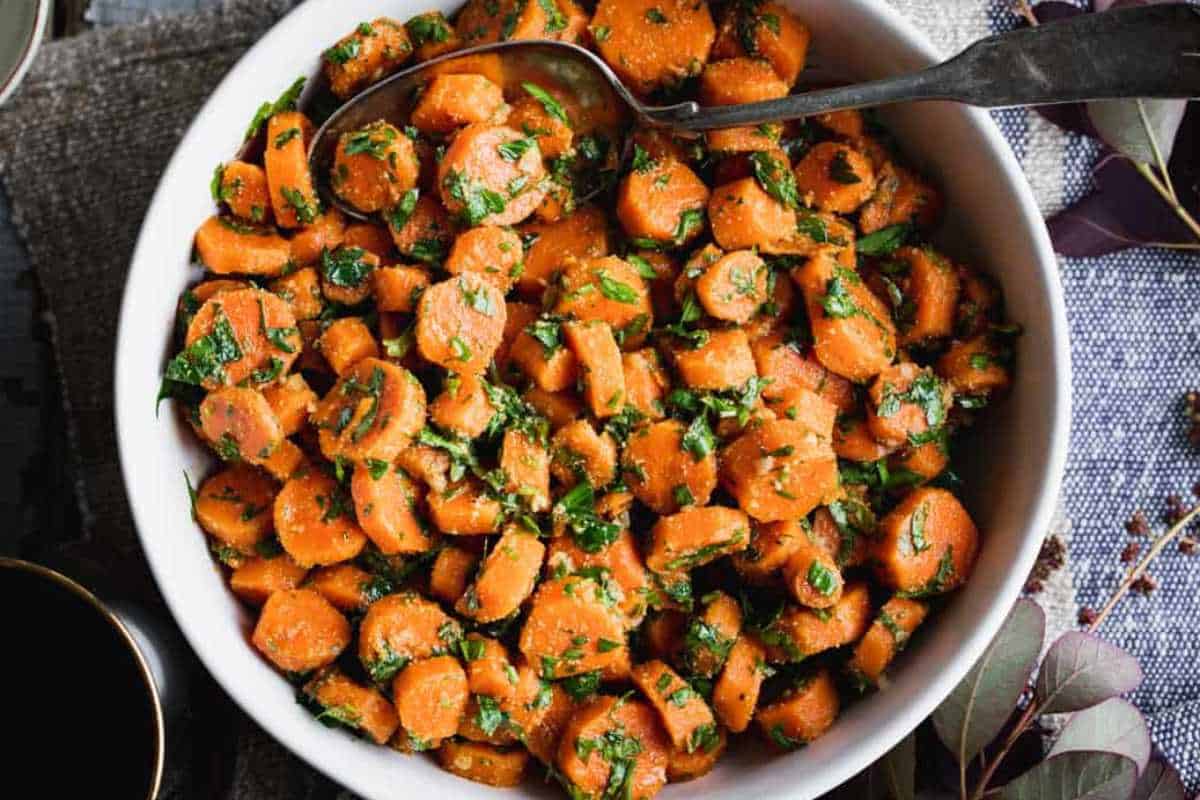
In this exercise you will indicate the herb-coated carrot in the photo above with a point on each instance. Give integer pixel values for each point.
(615, 735)
(298, 630)
(256, 579)
(367, 54)
(927, 544)
(663, 473)
(802, 714)
(578, 452)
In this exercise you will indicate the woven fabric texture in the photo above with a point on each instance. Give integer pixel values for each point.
(78, 192)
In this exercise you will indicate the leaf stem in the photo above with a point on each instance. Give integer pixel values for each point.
(1141, 567)
(1152, 137)
(1148, 173)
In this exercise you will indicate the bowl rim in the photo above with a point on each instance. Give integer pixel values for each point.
(935, 690)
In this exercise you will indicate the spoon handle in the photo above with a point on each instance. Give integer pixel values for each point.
(1145, 51)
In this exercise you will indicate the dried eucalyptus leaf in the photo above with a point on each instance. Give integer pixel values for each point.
(1075, 776)
(1159, 781)
(1120, 125)
(1114, 726)
(1081, 670)
(977, 709)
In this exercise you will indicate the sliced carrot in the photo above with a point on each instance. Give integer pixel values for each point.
(314, 519)
(688, 766)
(463, 406)
(765, 30)
(366, 55)
(927, 544)
(583, 234)
(571, 629)
(802, 632)
(853, 441)
(926, 461)
(401, 628)
(298, 631)
(835, 177)
(559, 408)
(227, 247)
(579, 453)
(242, 187)
(346, 342)
(599, 364)
(346, 702)
(653, 43)
(425, 233)
(789, 366)
(803, 714)
(506, 577)
(301, 290)
(345, 586)
(430, 696)
(854, 334)
(526, 465)
(782, 469)
(975, 367)
(663, 201)
(554, 135)
(680, 708)
(646, 382)
(735, 693)
(847, 124)
(460, 323)
(900, 197)
(385, 502)
(293, 197)
(772, 544)
(285, 461)
(464, 509)
(620, 561)
(710, 634)
(886, 637)
(734, 287)
(251, 331)
(696, 536)
(607, 724)
(723, 361)
(609, 290)
(484, 763)
(399, 288)
(664, 475)
(371, 412)
(812, 575)
(232, 505)
(907, 403)
(326, 232)
(551, 368)
(374, 167)
(426, 464)
(258, 578)
(432, 35)
(451, 573)
(240, 424)
(483, 183)
(495, 253)
(744, 216)
(740, 80)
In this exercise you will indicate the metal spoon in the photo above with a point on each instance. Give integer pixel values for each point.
(1148, 51)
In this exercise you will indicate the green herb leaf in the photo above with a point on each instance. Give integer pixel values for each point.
(346, 266)
(884, 242)
(285, 102)
(552, 106)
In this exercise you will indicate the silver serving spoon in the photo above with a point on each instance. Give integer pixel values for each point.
(1147, 51)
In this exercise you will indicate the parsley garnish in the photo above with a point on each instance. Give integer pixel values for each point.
(346, 266)
(776, 179)
(285, 102)
(552, 106)
(841, 171)
(477, 200)
(885, 241)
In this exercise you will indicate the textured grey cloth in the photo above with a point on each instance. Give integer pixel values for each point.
(85, 140)
(81, 149)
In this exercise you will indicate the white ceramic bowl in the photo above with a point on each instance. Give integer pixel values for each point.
(1012, 482)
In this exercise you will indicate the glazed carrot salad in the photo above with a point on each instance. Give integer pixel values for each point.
(604, 475)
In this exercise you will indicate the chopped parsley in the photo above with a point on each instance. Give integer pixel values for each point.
(551, 106)
(840, 170)
(478, 201)
(776, 179)
(285, 102)
(346, 266)
(884, 242)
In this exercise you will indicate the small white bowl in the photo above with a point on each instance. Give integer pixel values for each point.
(22, 23)
(1012, 466)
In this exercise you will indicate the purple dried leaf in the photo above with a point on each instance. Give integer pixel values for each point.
(1114, 726)
(1075, 776)
(980, 705)
(1081, 670)
(1159, 781)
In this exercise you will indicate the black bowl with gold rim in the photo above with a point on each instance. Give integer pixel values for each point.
(79, 681)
